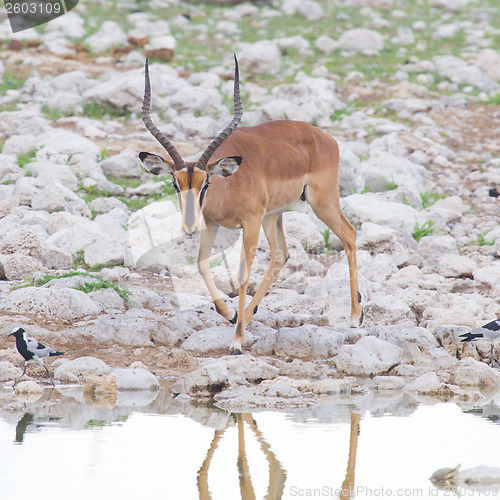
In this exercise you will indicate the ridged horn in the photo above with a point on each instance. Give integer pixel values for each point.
(157, 134)
(238, 113)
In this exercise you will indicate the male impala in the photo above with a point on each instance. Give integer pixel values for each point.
(255, 174)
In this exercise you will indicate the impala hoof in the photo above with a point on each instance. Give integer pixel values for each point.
(357, 322)
(235, 349)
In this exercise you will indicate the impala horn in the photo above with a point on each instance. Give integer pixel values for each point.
(238, 113)
(157, 134)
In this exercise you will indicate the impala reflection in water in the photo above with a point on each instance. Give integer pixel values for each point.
(160, 447)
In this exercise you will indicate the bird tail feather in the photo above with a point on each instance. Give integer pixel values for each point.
(469, 336)
(56, 353)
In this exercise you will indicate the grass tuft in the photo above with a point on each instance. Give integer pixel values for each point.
(425, 229)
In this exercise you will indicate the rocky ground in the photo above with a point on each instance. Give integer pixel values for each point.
(411, 93)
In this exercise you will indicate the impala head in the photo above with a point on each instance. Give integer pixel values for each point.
(191, 179)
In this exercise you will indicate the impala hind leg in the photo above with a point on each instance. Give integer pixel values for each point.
(333, 217)
(250, 241)
(273, 229)
(207, 239)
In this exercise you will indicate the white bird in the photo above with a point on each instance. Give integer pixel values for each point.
(490, 331)
(31, 350)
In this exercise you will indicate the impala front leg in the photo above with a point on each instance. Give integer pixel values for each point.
(250, 241)
(207, 238)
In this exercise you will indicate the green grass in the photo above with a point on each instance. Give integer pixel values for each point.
(429, 198)
(390, 186)
(104, 154)
(11, 81)
(97, 283)
(51, 114)
(425, 229)
(98, 112)
(26, 158)
(482, 242)
(326, 238)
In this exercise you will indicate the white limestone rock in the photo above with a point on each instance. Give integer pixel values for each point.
(459, 71)
(428, 383)
(123, 165)
(76, 369)
(363, 40)
(65, 304)
(213, 376)
(213, 339)
(311, 10)
(135, 327)
(376, 238)
(303, 342)
(178, 328)
(350, 176)
(310, 99)
(455, 266)
(488, 61)
(58, 142)
(305, 228)
(388, 383)
(29, 387)
(21, 240)
(18, 266)
(325, 44)
(108, 298)
(361, 208)
(469, 372)
(435, 245)
(17, 145)
(389, 310)
(260, 58)
(9, 372)
(384, 170)
(104, 205)
(50, 172)
(105, 252)
(121, 91)
(369, 356)
(78, 235)
(135, 379)
(109, 35)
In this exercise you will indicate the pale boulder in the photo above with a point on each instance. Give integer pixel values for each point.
(135, 379)
(369, 356)
(363, 40)
(109, 35)
(470, 372)
(76, 369)
(64, 305)
(123, 165)
(260, 58)
(456, 266)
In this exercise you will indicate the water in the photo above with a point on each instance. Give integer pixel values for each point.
(147, 445)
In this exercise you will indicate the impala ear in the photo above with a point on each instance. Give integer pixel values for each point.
(155, 164)
(225, 167)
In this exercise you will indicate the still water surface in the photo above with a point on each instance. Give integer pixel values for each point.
(148, 446)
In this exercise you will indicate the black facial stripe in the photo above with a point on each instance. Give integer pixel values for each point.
(174, 184)
(203, 191)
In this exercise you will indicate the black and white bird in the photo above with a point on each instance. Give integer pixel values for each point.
(31, 350)
(490, 331)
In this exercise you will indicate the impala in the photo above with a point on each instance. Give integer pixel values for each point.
(246, 178)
